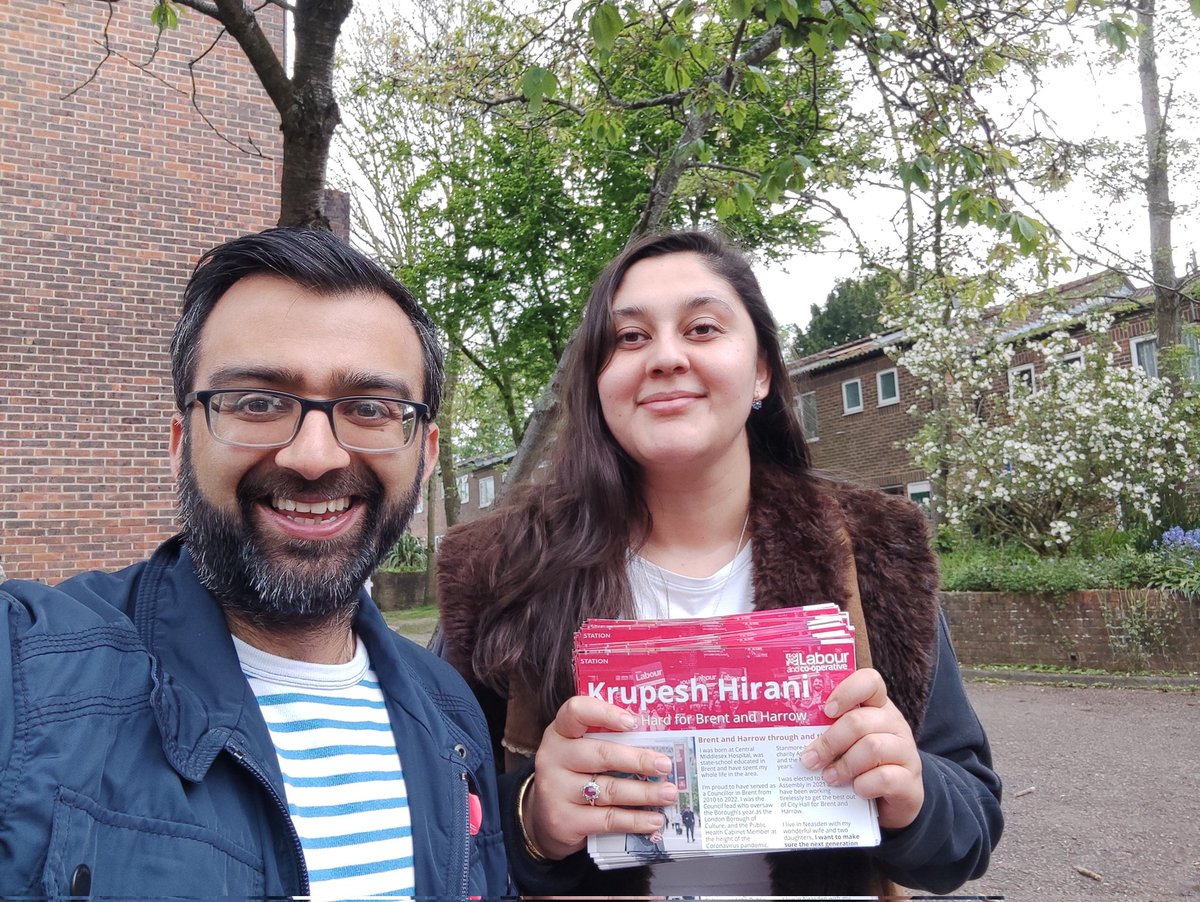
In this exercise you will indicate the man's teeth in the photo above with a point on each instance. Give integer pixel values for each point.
(318, 508)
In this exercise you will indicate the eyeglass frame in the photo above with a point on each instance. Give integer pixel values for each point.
(307, 405)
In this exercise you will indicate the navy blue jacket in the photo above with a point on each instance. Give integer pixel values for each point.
(131, 745)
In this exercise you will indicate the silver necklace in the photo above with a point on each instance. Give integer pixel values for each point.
(737, 549)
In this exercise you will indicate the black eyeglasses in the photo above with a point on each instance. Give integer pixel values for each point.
(260, 418)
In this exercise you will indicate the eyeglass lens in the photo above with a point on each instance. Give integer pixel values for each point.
(262, 419)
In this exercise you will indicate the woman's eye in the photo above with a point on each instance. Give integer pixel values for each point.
(629, 337)
(705, 330)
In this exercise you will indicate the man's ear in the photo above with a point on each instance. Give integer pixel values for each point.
(176, 444)
(431, 451)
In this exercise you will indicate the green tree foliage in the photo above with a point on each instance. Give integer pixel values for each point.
(851, 311)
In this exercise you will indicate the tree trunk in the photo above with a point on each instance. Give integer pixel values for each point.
(446, 439)
(1168, 301)
(308, 109)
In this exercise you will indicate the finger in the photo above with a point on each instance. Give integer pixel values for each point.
(561, 827)
(597, 756)
(630, 792)
(863, 687)
(849, 729)
(581, 713)
(870, 752)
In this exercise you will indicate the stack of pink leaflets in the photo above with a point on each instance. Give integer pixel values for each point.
(732, 701)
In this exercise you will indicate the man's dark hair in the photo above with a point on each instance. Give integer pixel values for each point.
(314, 259)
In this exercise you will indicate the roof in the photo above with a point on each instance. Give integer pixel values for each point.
(1089, 293)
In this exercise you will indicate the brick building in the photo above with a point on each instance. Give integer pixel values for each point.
(109, 191)
(854, 400)
(479, 484)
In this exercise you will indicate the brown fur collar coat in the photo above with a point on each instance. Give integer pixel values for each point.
(799, 558)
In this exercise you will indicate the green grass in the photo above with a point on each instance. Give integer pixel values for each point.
(425, 612)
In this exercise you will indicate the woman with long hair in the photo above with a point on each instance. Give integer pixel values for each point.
(680, 486)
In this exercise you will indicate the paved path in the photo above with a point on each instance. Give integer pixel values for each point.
(1107, 780)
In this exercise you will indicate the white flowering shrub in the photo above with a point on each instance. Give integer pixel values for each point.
(1094, 444)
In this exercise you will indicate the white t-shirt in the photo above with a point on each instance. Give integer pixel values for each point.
(341, 772)
(661, 594)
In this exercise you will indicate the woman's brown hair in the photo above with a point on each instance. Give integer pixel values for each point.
(566, 539)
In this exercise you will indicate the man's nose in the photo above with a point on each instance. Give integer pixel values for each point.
(314, 451)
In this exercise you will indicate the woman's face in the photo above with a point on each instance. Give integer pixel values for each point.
(685, 367)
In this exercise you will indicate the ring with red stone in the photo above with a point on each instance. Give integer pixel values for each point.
(591, 791)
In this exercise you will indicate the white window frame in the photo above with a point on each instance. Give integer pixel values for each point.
(1075, 358)
(487, 491)
(881, 401)
(846, 408)
(1015, 377)
(1192, 340)
(923, 489)
(464, 488)
(812, 430)
(1135, 344)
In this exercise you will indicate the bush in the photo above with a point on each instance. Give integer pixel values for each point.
(981, 568)
(406, 556)
(1114, 562)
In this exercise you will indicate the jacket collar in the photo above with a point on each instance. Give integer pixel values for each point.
(200, 697)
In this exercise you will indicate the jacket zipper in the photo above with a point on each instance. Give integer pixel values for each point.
(466, 832)
(240, 757)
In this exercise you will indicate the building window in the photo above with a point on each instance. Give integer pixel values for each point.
(1075, 358)
(806, 408)
(920, 492)
(887, 387)
(852, 396)
(464, 488)
(1192, 340)
(1143, 353)
(892, 489)
(487, 491)
(1021, 381)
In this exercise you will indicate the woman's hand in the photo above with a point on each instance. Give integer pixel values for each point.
(557, 814)
(871, 747)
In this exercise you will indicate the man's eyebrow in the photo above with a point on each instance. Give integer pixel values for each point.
(343, 382)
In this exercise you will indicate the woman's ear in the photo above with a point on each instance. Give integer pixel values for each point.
(762, 378)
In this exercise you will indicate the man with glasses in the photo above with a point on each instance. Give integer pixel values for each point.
(233, 717)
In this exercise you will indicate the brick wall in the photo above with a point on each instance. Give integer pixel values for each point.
(107, 197)
(1111, 630)
(867, 446)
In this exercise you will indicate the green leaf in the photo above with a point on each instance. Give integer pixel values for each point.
(1196, 7)
(839, 33)
(673, 47)
(741, 9)
(537, 84)
(606, 24)
(164, 15)
(791, 11)
(745, 194)
(725, 207)
(817, 43)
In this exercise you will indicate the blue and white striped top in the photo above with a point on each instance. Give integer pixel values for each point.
(341, 772)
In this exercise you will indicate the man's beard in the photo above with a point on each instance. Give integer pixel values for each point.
(281, 582)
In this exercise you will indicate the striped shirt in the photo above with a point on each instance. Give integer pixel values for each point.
(341, 772)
